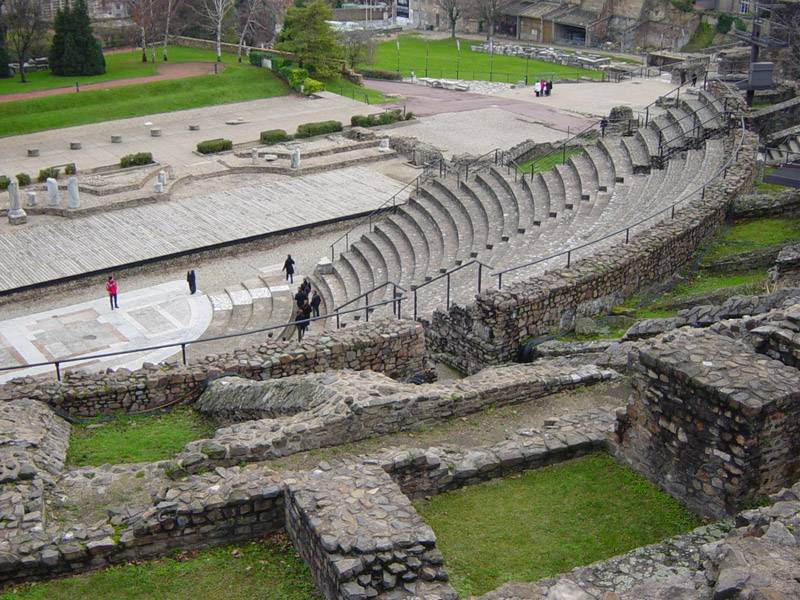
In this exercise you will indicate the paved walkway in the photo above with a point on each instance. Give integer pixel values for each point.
(151, 316)
(39, 253)
(176, 144)
(165, 72)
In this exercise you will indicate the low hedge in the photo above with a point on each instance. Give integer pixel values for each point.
(380, 74)
(23, 179)
(294, 76)
(213, 146)
(45, 174)
(385, 118)
(274, 136)
(135, 160)
(312, 86)
(257, 57)
(4, 181)
(319, 128)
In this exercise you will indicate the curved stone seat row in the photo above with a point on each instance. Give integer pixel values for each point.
(504, 219)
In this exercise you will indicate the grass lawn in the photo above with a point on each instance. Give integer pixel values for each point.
(746, 236)
(127, 439)
(547, 162)
(267, 570)
(443, 60)
(769, 187)
(548, 521)
(348, 89)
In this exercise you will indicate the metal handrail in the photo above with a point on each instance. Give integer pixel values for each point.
(183, 345)
(563, 145)
(646, 109)
(447, 275)
(395, 307)
(383, 206)
(626, 230)
(662, 143)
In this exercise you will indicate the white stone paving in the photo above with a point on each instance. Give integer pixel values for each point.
(43, 252)
(151, 316)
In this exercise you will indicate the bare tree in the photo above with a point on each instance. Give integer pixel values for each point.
(452, 10)
(144, 14)
(171, 10)
(254, 16)
(214, 13)
(489, 12)
(25, 26)
(358, 46)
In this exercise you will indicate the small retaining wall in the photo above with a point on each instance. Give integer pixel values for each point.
(396, 348)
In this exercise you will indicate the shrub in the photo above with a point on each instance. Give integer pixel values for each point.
(380, 74)
(212, 146)
(278, 62)
(683, 5)
(319, 128)
(134, 160)
(724, 22)
(70, 169)
(4, 181)
(257, 57)
(409, 115)
(739, 24)
(294, 76)
(384, 118)
(45, 174)
(312, 86)
(274, 136)
(23, 179)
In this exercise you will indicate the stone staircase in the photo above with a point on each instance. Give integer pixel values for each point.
(788, 148)
(502, 219)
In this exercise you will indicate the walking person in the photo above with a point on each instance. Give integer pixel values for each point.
(303, 315)
(111, 289)
(603, 125)
(694, 79)
(316, 299)
(549, 86)
(300, 297)
(192, 281)
(288, 266)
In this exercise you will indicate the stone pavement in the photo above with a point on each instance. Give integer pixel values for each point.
(176, 142)
(156, 315)
(103, 241)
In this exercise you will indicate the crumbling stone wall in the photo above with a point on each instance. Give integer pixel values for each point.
(396, 348)
(710, 421)
(491, 330)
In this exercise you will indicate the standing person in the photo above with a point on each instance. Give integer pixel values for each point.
(316, 299)
(603, 125)
(694, 79)
(537, 88)
(303, 315)
(549, 87)
(300, 297)
(111, 288)
(288, 266)
(192, 281)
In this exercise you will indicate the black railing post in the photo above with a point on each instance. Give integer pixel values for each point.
(673, 211)
(332, 259)
(183, 353)
(366, 307)
(58, 370)
(399, 307)
(627, 235)
(480, 276)
(394, 299)
(499, 281)
(448, 290)
(338, 323)
(569, 258)
(415, 304)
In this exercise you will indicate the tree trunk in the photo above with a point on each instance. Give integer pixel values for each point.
(144, 47)
(22, 71)
(219, 39)
(453, 28)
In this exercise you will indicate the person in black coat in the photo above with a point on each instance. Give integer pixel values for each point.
(303, 315)
(300, 297)
(288, 266)
(316, 300)
(192, 281)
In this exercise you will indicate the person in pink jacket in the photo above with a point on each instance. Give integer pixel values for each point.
(111, 288)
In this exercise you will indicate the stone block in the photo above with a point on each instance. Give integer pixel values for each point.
(75, 145)
(155, 132)
(116, 139)
(33, 152)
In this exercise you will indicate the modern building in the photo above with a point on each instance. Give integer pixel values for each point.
(99, 10)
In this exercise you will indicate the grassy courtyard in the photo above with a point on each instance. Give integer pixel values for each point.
(750, 235)
(548, 161)
(267, 570)
(443, 62)
(548, 521)
(126, 439)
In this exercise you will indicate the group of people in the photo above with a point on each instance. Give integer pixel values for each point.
(542, 88)
(308, 302)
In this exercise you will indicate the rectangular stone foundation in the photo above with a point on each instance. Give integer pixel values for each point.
(362, 537)
(712, 422)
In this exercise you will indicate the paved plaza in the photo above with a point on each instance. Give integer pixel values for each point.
(155, 315)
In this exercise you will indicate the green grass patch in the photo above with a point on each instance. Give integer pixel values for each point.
(268, 570)
(348, 89)
(769, 187)
(548, 521)
(548, 161)
(443, 61)
(236, 83)
(750, 235)
(132, 439)
(703, 37)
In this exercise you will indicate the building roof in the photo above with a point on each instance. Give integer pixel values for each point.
(574, 15)
(523, 8)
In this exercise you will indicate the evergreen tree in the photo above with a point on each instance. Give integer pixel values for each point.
(5, 73)
(307, 35)
(75, 51)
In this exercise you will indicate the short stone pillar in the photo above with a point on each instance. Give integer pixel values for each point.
(31, 199)
(254, 155)
(52, 192)
(324, 266)
(194, 127)
(162, 177)
(74, 145)
(155, 132)
(16, 216)
(33, 152)
(116, 139)
(383, 145)
(73, 196)
(159, 187)
(296, 158)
